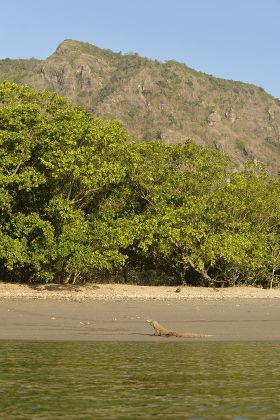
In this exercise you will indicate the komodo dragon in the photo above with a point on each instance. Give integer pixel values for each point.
(160, 330)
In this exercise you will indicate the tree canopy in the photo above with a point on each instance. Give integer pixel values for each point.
(81, 200)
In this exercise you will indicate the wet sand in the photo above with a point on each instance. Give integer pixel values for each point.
(235, 317)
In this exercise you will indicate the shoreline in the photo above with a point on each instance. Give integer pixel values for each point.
(117, 292)
(118, 313)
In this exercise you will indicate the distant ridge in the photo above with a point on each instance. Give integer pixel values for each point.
(166, 101)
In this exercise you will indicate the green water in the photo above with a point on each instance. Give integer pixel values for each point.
(133, 380)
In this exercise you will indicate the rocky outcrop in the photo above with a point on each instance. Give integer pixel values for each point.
(213, 118)
(230, 115)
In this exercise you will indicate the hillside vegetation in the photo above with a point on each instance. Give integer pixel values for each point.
(80, 200)
(167, 101)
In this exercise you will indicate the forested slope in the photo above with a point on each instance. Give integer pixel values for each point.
(166, 101)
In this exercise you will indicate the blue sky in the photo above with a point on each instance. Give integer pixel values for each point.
(233, 39)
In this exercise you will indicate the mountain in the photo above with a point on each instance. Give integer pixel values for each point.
(167, 101)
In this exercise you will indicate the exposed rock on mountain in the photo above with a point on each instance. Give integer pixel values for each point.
(167, 101)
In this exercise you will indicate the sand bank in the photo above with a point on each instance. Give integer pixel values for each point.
(116, 292)
(119, 313)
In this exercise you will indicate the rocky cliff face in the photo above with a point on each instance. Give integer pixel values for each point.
(167, 101)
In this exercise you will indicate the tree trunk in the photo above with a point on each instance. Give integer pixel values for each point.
(182, 275)
(125, 273)
(206, 277)
(272, 279)
(203, 272)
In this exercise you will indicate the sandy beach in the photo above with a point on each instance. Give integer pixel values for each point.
(114, 312)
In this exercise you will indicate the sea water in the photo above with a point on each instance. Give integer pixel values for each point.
(136, 380)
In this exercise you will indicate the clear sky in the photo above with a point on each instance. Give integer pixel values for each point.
(233, 39)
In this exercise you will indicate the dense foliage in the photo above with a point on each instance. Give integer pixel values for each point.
(80, 200)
